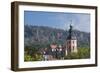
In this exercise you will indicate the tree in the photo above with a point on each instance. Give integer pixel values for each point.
(83, 53)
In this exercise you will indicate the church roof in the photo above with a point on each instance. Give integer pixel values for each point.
(71, 38)
(71, 35)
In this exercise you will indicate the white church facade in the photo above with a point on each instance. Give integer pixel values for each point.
(71, 42)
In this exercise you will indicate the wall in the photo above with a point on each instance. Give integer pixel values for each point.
(5, 40)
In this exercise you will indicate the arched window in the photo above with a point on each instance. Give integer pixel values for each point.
(73, 42)
(73, 47)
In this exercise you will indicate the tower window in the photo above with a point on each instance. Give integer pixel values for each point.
(73, 42)
(73, 47)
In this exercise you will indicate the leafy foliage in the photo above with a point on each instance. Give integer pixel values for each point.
(27, 58)
(83, 53)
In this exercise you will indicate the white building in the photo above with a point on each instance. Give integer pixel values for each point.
(71, 42)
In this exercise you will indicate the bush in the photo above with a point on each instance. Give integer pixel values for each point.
(37, 57)
(27, 58)
(83, 53)
(72, 56)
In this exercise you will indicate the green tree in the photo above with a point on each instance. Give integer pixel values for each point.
(27, 58)
(83, 53)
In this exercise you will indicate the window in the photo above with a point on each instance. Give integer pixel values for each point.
(73, 42)
(73, 47)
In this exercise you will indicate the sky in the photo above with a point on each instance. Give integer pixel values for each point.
(59, 20)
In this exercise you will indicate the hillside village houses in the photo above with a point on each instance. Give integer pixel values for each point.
(60, 51)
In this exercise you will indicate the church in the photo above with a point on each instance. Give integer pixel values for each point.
(71, 42)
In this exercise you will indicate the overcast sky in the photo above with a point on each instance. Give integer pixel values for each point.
(59, 20)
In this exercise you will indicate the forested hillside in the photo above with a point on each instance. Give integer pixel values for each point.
(40, 35)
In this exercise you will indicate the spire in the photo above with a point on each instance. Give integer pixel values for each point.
(71, 33)
(71, 25)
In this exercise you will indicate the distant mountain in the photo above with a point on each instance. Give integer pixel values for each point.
(35, 35)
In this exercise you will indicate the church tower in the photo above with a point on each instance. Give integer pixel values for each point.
(71, 42)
